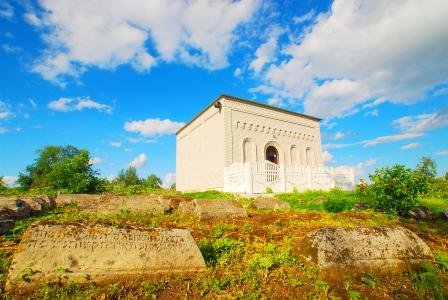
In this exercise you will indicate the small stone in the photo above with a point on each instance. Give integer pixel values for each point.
(361, 206)
(6, 225)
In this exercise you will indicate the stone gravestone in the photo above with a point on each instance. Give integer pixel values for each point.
(114, 204)
(63, 199)
(99, 253)
(270, 203)
(207, 209)
(364, 246)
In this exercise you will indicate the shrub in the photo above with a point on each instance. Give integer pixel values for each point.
(395, 189)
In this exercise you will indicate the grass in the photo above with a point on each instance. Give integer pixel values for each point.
(436, 205)
(252, 258)
(332, 201)
(212, 194)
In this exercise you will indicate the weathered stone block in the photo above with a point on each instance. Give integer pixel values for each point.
(63, 199)
(207, 209)
(114, 204)
(364, 246)
(99, 253)
(6, 225)
(38, 203)
(15, 207)
(270, 203)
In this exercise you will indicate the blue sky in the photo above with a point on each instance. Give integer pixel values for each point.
(119, 78)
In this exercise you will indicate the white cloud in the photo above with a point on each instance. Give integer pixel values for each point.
(169, 179)
(139, 161)
(95, 160)
(442, 153)
(327, 157)
(2, 130)
(115, 144)
(77, 104)
(237, 72)
(423, 122)
(390, 139)
(107, 34)
(304, 18)
(363, 50)
(373, 113)
(6, 10)
(32, 19)
(276, 102)
(127, 150)
(32, 103)
(5, 111)
(153, 127)
(266, 52)
(10, 180)
(410, 146)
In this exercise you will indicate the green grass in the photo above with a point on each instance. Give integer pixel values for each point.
(436, 205)
(332, 201)
(212, 194)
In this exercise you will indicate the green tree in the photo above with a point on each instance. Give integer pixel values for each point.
(427, 167)
(153, 182)
(128, 177)
(61, 167)
(395, 189)
(2, 184)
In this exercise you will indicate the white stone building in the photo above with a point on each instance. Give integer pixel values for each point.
(243, 146)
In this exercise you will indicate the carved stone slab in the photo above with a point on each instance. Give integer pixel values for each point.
(270, 203)
(115, 204)
(207, 209)
(80, 252)
(364, 246)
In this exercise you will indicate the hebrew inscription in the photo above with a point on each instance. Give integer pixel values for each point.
(100, 253)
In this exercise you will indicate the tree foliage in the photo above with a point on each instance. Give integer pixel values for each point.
(128, 177)
(61, 167)
(427, 167)
(395, 189)
(153, 182)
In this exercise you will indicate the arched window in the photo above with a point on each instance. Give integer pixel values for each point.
(295, 159)
(249, 151)
(272, 155)
(309, 156)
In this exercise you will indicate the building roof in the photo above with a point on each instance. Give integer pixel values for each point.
(245, 101)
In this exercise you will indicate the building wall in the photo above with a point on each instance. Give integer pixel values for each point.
(250, 129)
(200, 153)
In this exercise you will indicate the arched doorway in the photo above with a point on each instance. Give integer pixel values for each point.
(272, 155)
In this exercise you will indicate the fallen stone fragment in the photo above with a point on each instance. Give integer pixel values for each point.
(6, 225)
(16, 208)
(364, 246)
(207, 209)
(360, 206)
(100, 253)
(38, 203)
(270, 203)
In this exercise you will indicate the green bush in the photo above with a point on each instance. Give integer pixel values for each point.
(395, 189)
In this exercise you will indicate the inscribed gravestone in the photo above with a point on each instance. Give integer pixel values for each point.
(364, 246)
(100, 253)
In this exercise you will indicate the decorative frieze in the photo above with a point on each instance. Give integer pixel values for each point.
(275, 131)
